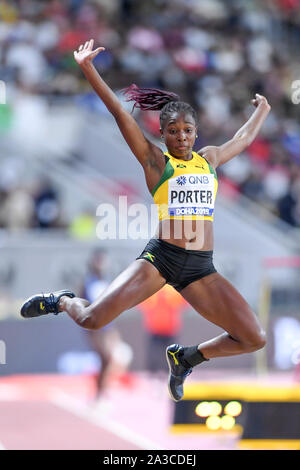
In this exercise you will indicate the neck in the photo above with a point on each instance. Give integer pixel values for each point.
(186, 158)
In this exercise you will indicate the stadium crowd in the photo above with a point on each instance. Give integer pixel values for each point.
(215, 54)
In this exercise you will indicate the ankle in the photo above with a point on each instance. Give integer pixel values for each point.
(193, 356)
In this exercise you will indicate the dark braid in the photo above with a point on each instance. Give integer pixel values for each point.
(148, 98)
(154, 99)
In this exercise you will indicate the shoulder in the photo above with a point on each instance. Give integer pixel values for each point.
(210, 153)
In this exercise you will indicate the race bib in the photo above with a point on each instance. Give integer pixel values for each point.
(191, 194)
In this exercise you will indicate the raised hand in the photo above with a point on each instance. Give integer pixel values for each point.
(85, 53)
(259, 99)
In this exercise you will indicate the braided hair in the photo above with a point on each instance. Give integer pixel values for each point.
(154, 99)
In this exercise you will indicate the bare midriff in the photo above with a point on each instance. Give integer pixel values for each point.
(188, 234)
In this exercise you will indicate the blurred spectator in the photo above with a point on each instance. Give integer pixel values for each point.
(17, 203)
(47, 208)
(289, 204)
(17, 210)
(162, 321)
(114, 354)
(24, 51)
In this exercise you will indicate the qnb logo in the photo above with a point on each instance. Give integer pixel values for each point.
(2, 92)
(181, 180)
(2, 352)
(296, 93)
(198, 179)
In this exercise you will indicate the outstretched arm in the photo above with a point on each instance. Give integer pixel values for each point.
(147, 153)
(242, 139)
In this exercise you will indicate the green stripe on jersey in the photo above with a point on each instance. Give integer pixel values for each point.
(168, 172)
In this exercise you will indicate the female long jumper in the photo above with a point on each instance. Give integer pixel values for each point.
(184, 186)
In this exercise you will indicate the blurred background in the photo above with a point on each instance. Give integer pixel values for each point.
(62, 156)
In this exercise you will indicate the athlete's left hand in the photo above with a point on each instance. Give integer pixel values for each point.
(260, 100)
(86, 54)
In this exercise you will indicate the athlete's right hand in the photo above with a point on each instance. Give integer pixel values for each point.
(85, 53)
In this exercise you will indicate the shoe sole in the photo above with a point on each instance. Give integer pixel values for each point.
(169, 379)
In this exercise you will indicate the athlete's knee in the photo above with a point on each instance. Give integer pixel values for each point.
(261, 339)
(94, 320)
(87, 322)
(257, 340)
(90, 318)
(99, 315)
(253, 341)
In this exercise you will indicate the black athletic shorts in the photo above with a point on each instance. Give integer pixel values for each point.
(177, 265)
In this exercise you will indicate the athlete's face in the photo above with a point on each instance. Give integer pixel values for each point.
(179, 134)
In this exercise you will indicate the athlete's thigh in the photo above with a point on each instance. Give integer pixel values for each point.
(217, 300)
(132, 286)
